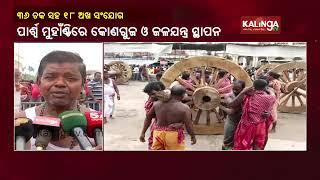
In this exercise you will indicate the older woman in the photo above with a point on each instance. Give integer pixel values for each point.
(61, 78)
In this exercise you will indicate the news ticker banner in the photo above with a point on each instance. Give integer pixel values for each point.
(113, 26)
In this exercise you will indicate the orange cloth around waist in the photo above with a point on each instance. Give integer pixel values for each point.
(167, 139)
(180, 131)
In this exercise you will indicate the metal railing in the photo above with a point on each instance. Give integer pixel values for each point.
(89, 104)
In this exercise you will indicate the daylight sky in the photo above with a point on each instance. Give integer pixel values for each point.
(30, 54)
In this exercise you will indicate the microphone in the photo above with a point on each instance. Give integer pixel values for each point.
(75, 124)
(23, 132)
(94, 130)
(46, 129)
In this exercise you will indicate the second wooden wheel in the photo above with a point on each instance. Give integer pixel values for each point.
(294, 96)
(122, 70)
(265, 68)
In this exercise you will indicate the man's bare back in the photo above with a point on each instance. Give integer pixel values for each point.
(171, 112)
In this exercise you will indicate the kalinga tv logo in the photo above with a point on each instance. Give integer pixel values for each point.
(260, 25)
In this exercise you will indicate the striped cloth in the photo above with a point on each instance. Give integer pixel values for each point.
(224, 85)
(252, 130)
(96, 89)
(258, 103)
(147, 106)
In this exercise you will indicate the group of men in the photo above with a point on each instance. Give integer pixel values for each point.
(250, 115)
(251, 112)
(146, 73)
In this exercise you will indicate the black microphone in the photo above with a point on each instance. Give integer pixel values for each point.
(23, 132)
(46, 129)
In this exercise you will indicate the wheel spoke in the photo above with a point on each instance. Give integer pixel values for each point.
(302, 94)
(286, 75)
(196, 121)
(299, 99)
(293, 100)
(218, 115)
(203, 75)
(282, 95)
(208, 117)
(289, 95)
(213, 77)
(285, 101)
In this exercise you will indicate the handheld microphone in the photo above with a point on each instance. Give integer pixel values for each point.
(46, 129)
(75, 124)
(94, 130)
(23, 132)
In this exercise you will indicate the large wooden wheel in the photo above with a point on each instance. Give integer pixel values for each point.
(205, 97)
(122, 70)
(265, 68)
(294, 96)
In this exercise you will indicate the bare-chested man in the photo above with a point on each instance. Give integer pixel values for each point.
(166, 134)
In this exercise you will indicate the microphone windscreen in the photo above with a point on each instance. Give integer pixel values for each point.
(94, 120)
(24, 128)
(72, 119)
(43, 139)
(49, 123)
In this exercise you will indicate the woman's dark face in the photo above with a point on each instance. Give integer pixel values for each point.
(61, 83)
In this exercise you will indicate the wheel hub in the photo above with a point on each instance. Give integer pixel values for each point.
(206, 98)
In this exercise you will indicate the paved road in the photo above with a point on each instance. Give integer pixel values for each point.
(122, 132)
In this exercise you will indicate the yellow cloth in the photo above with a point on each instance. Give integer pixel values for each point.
(166, 140)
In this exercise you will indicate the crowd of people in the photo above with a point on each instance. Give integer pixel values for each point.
(147, 73)
(251, 112)
(29, 90)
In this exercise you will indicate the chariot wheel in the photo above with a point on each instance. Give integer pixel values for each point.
(293, 98)
(122, 70)
(204, 91)
(265, 68)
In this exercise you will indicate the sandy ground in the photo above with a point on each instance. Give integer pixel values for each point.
(122, 132)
